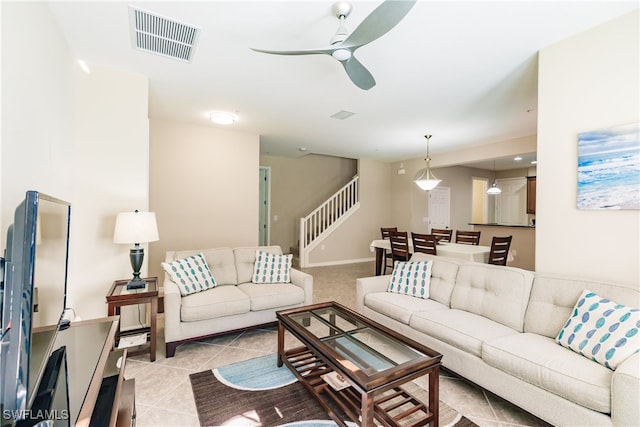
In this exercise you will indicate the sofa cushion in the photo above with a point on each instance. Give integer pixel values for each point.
(399, 307)
(217, 302)
(221, 262)
(266, 296)
(538, 360)
(443, 276)
(191, 274)
(601, 330)
(271, 268)
(245, 258)
(461, 329)
(411, 278)
(552, 300)
(483, 288)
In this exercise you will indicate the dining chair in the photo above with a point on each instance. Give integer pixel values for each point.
(442, 234)
(425, 243)
(499, 250)
(468, 237)
(399, 245)
(388, 258)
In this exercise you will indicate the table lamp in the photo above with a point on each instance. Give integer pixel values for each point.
(136, 227)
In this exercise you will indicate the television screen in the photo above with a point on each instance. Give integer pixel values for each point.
(34, 294)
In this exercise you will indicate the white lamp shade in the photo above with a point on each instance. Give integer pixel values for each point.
(426, 180)
(136, 227)
(427, 184)
(494, 189)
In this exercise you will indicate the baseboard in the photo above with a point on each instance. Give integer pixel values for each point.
(340, 262)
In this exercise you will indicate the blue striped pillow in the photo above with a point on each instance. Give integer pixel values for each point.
(271, 268)
(601, 330)
(191, 274)
(411, 278)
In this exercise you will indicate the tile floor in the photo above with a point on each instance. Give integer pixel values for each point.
(163, 390)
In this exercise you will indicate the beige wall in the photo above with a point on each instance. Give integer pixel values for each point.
(78, 137)
(37, 108)
(350, 243)
(509, 147)
(587, 82)
(410, 204)
(204, 188)
(110, 175)
(523, 244)
(298, 186)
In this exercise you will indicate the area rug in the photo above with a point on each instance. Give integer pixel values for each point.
(256, 392)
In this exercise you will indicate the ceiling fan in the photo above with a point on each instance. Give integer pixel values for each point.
(343, 45)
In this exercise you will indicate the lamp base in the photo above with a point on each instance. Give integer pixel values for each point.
(136, 283)
(136, 255)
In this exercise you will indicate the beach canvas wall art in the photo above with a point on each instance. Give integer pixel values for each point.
(609, 168)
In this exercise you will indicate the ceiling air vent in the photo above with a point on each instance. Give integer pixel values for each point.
(162, 36)
(342, 114)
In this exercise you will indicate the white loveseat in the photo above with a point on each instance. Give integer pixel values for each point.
(235, 303)
(496, 326)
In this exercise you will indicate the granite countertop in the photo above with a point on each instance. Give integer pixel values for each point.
(495, 224)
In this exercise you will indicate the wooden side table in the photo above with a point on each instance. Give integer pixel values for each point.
(119, 296)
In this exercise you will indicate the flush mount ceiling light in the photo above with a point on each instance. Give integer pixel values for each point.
(425, 179)
(222, 118)
(494, 188)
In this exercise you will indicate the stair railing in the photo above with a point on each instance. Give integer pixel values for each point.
(320, 221)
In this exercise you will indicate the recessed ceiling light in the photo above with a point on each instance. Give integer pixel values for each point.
(534, 162)
(517, 159)
(83, 65)
(302, 149)
(222, 118)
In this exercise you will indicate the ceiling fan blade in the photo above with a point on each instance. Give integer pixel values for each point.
(378, 23)
(326, 51)
(358, 73)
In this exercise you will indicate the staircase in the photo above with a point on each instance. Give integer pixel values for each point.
(326, 218)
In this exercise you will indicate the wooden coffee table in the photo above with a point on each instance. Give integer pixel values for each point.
(371, 360)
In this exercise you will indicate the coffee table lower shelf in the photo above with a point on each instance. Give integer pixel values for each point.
(391, 407)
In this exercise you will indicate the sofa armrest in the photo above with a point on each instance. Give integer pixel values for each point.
(625, 392)
(305, 281)
(172, 305)
(367, 285)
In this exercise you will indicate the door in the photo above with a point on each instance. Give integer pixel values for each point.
(264, 205)
(439, 207)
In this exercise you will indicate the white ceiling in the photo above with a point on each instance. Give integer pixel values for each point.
(465, 72)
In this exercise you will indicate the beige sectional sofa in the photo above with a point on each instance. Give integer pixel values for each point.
(235, 302)
(496, 326)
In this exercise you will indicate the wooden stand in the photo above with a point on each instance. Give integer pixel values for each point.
(393, 407)
(119, 296)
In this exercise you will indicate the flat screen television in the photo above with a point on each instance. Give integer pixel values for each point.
(32, 296)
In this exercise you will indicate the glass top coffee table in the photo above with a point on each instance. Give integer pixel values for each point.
(354, 366)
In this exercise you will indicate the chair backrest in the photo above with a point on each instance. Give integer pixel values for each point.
(399, 245)
(468, 237)
(499, 250)
(442, 234)
(386, 230)
(425, 243)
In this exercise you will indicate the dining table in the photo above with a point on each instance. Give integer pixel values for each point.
(462, 251)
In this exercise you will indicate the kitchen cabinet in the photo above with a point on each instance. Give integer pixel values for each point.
(531, 194)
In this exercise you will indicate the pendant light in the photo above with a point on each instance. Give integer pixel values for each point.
(494, 188)
(426, 180)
